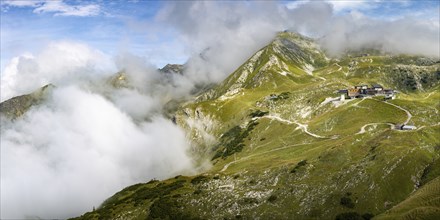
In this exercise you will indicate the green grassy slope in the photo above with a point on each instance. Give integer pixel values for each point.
(422, 204)
(281, 149)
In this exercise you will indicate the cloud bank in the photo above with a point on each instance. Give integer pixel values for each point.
(64, 158)
(89, 139)
(338, 34)
(59, 63)
(221, 36)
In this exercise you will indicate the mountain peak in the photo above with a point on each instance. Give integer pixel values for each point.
(172, 68)
(290, 56)
(15, 107)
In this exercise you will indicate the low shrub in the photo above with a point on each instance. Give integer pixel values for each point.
(272, 198)
(258, 114)
(198, 179)
(152, 181)
(232, 141)
(299, 165)
(249, 201)
(167, 208)
(349, 216)
(354, 216)
(155, 192)
(347, 202)
(367, 216)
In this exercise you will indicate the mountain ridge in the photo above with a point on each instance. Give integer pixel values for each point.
(283, 144)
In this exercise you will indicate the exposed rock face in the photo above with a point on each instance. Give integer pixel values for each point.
(172, 68)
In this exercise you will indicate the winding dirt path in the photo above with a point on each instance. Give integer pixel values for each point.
(409, 116)
(320, 77)
(365, 126)
(303, 127)
(428, 126)
(340, 69)
(357, 103)
(225, 167)
(406, 111)
(428, 95)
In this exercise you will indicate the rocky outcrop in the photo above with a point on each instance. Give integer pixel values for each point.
(18, 106)
(172, 68)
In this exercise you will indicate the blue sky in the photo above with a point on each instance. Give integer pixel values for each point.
(114, 26)
(131, 26)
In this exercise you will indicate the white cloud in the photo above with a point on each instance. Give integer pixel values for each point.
(62, 9)
(354, 31)
(225, 33)
(296, 4)
(89, 139)
(58, 7)
(339, 5)
(60, 62)
(350, 5)
(67, 156)
(23, 3)
(230, 33)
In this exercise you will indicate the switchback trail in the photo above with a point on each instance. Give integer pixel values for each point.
(406, 111)
(363, 127)
(303, 127)
(225, 167)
